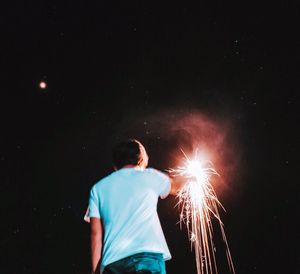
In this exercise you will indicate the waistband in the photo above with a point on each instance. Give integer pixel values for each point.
(152, 255)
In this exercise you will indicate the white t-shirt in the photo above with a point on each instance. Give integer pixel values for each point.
(126, 201)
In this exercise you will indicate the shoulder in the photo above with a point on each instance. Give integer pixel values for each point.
(156, 173)
(161, 180)
(102, 182)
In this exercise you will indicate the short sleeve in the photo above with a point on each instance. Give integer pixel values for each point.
(164, 184)
(166, 187)
(93, 210)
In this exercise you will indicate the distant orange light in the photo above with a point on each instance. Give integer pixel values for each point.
(43, 85)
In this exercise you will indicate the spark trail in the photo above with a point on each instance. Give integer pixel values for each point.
(199, 204)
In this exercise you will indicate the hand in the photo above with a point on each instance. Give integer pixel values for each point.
(177, 183)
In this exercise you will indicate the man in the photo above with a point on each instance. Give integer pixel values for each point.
(126, 235)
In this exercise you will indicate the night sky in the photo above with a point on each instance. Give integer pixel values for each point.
(79, 76)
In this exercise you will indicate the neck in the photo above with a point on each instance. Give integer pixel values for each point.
(131, 166)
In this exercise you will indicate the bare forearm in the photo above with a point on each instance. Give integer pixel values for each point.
(177, 183)
(96, 250)
(96, 243)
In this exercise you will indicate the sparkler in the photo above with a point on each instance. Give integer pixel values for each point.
(199, 205)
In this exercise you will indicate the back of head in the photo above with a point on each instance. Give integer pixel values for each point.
(130, 152)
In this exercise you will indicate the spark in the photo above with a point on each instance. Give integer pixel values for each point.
(199, 205)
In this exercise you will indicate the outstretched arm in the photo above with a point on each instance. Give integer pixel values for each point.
(177, 183)
(96, 243)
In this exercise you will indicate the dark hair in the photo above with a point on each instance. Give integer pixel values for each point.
(130, 152)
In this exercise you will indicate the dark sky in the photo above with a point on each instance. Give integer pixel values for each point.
(138, 69)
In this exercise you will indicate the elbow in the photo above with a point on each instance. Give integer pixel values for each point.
(174, 190)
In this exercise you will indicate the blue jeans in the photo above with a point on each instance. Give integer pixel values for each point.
(140, 263)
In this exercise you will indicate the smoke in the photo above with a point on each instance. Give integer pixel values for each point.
(167, 133)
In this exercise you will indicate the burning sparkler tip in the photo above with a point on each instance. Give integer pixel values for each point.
(200, 204)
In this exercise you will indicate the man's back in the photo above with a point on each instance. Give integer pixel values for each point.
(126, 202)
